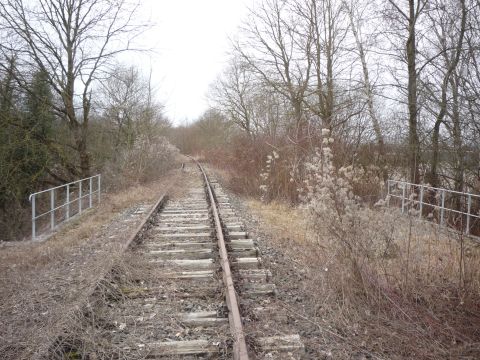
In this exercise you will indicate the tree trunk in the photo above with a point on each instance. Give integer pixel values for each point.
(459, 167)
(432, 177)
(369, 95)
(451, 64)
(82, 151)
(413, 141)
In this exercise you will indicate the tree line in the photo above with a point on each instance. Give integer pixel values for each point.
(68, 107)
(395, 82)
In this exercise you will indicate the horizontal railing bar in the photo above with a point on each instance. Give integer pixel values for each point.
(48, 212)
(433, 188)
(88, 194)
(436, 206)
(462, 213)
(396, 186)
(63, 200)
(71, 215)
(61, 186)
(65, 204)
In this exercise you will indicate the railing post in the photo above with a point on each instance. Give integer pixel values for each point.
(67, 204)
(403, 197)
(52, 209)
(99, 187)
(33, 217)
(67, 213)
(442, 209)
(421, 201)
(90, 193)
(469, 206)
(80, 197)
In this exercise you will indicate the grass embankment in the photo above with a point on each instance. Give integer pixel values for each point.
(41, 282)
(415, 295)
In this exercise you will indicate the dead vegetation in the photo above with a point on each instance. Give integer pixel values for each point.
(42, 283)
(416, 298)
(93, 331)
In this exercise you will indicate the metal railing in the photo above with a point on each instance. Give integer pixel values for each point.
(61, 199)
(455, 209)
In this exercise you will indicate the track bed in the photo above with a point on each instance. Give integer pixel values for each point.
(193, 287)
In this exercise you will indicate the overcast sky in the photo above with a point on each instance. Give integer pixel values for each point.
(190, 43)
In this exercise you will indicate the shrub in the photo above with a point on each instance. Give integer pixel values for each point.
(146, 160)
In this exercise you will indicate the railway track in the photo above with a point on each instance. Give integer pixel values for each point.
(199, 289)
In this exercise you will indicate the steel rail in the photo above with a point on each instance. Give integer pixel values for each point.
(41, 353)
(235, 320)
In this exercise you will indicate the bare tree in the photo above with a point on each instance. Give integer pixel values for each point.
(470, 85)
(125, 100)
(355, 20)
(233, 93)
(449, 28)
(324, 35)
(273, 50)
(72, 41)
(246, 100)
(408, 18)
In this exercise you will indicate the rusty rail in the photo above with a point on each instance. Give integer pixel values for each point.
(235, 320)
(42, 352)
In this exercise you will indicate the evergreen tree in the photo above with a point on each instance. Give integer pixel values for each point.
(26, 127)
(38, 127)
(8, 135)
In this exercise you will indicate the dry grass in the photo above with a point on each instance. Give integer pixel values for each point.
(42, 282)
(419, 299)
(284, 220)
